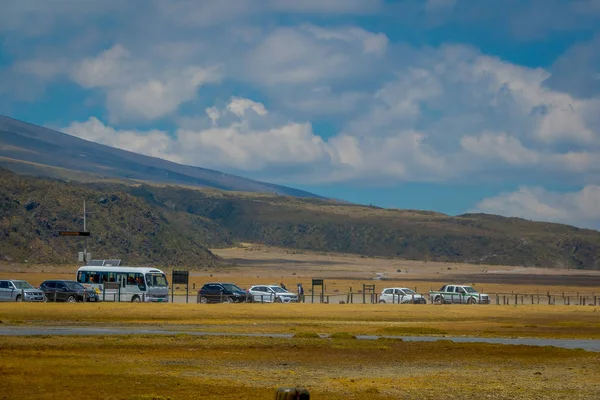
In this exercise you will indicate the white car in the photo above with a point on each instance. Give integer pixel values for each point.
(401, 296)
(272, 294)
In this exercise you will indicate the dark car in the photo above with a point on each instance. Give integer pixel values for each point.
(71, 291)
(218, 292)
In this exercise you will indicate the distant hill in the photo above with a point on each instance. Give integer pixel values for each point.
(167, 225)
(38, 151)
(32, 211)
(322, 225)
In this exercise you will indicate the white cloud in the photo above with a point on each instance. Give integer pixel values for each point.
(155, 143)
(372, 43)
(239, 106)
(580, 208)
(500, 146)
(309, 55)
(478, 112)
(137, 89)
(233, 146)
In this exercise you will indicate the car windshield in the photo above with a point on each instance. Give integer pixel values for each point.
(277, 289)
(231, 287)
(408, 291)
(156, 280)
(469, 289)
(22, 285)
(74, 286)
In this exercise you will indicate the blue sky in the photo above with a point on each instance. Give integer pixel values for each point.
(448, 105)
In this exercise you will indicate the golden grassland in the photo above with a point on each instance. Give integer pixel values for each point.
(251, 264)
(540, 321)
(188, 367)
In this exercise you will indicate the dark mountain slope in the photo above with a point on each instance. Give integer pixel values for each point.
(27, 148)
(32, 211)
(422, 235)
(166, 225)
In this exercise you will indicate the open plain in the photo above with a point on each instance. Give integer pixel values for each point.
(183, 365)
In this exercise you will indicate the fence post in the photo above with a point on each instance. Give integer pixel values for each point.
(497, 299)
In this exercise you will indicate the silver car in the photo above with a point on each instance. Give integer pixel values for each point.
(272, 294)
(19, 290)
(401, 295)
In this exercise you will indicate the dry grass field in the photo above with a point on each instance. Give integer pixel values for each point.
(186, 367)
(356, 319)
(181, 366)
(251, 264)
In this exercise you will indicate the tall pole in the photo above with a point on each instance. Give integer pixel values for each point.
(85, 239)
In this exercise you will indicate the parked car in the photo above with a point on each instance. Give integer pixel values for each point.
(272, 294)
(71, 291)
(458, 294)
(19, 290)
(220, 292)
(400, 295)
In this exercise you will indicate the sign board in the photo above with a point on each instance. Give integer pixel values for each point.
(111, 285)
(73, 233)
(317, 282)
(181, 277)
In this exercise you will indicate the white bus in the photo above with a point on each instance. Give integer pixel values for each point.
(135, 283)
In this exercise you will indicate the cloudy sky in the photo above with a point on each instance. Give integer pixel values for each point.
(448, 105)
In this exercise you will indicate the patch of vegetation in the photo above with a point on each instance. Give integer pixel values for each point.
(150, 224)
(322, 225)
(33, 211)
(342, 335)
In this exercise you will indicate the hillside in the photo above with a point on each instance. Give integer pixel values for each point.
(323, 225)
(166, 225)
(32, 211)
(38, 151)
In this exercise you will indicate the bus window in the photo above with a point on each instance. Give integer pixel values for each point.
(82, 277)
(136, 279)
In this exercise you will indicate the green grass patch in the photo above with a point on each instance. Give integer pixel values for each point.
(342, 335)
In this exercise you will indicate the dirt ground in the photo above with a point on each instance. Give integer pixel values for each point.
(251, 264)
(184, 367)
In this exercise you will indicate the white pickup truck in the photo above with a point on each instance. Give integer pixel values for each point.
(458, 294)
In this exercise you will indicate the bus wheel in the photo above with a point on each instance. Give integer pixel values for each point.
(135, 299)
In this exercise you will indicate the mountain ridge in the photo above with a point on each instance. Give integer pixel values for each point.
(25, 142)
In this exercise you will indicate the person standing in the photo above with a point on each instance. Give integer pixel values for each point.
(300, 292)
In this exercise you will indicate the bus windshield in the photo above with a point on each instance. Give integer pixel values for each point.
(155, 280)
